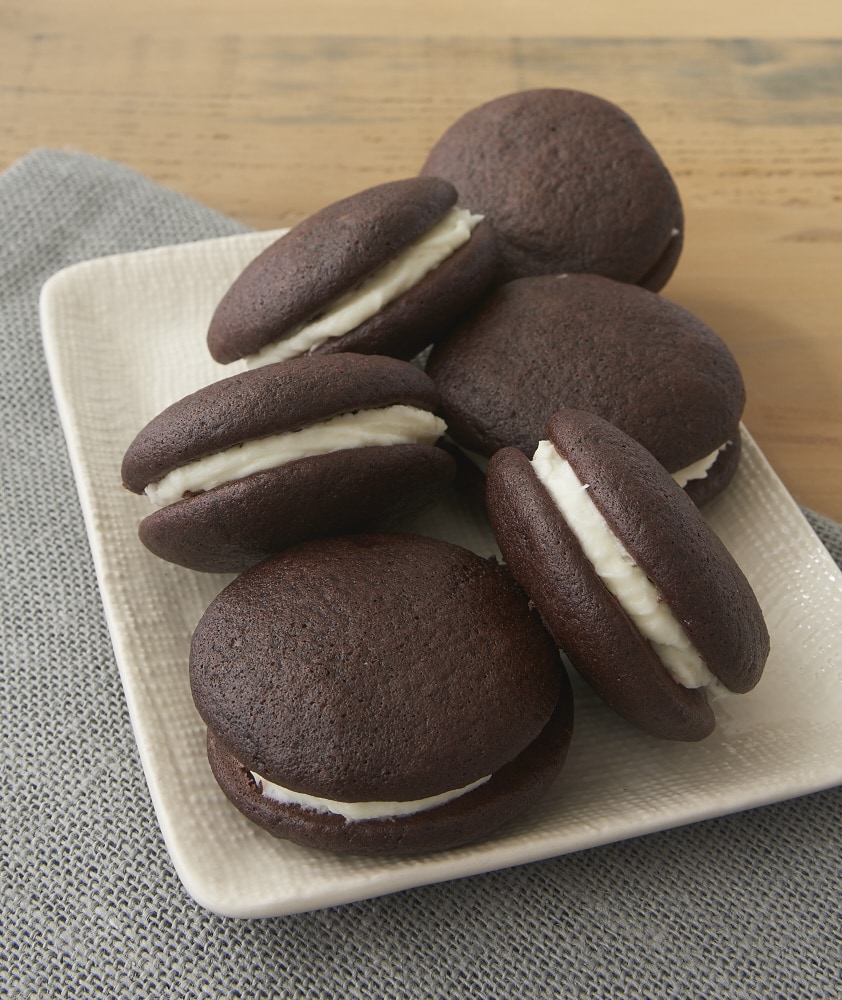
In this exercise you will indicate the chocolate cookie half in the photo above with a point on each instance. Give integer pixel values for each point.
(385, 271)
(569, 182)
(267, 458)
(634, 585)
(379, 694)
(586, 342)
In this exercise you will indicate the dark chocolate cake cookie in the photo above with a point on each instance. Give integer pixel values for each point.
(634, 585)
(386, 271)
(586, 342)
(379, 694)
(569, 182)
(316, 446)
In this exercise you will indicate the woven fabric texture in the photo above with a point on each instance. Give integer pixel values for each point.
(745, 906)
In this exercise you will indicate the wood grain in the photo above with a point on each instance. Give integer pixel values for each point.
(267, 127)
(434, 18)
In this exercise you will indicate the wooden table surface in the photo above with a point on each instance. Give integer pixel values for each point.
(267, 111)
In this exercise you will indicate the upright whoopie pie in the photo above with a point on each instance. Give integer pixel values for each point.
(270, 457)
(379, 694)
(569, 182)
(634, 585)
(385, 271)
(586, 342)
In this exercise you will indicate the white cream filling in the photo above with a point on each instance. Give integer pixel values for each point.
(700, 469)
(378, 290)
(387, 425)
(354, 811)
(617, 569)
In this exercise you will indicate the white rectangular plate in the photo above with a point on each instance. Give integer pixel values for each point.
(124, 337)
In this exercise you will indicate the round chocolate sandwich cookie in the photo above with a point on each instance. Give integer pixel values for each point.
(385, 271)
(636, 588)
(540, 344)
(379, 694)
(267, 458)
(569, 182)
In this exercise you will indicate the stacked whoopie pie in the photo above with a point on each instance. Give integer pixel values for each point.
(368, 691)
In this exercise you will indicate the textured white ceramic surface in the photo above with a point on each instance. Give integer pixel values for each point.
(124, 337)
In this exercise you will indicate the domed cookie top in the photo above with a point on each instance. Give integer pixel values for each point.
(569, 182)
(633, 583)
(379, 693)
(384, 271)
(539, 344)
(261, 460)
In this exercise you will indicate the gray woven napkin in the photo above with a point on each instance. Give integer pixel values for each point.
(745, 906)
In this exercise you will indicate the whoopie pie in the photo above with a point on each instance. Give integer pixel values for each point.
(379, 694)
(266, 458)
(580, 341)
(569, 182)
(385, 271)
(637, 589)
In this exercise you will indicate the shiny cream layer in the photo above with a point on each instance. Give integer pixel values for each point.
(617, 569)
(388, 425)
(700, 469)
(355, 811)
(378, 290)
